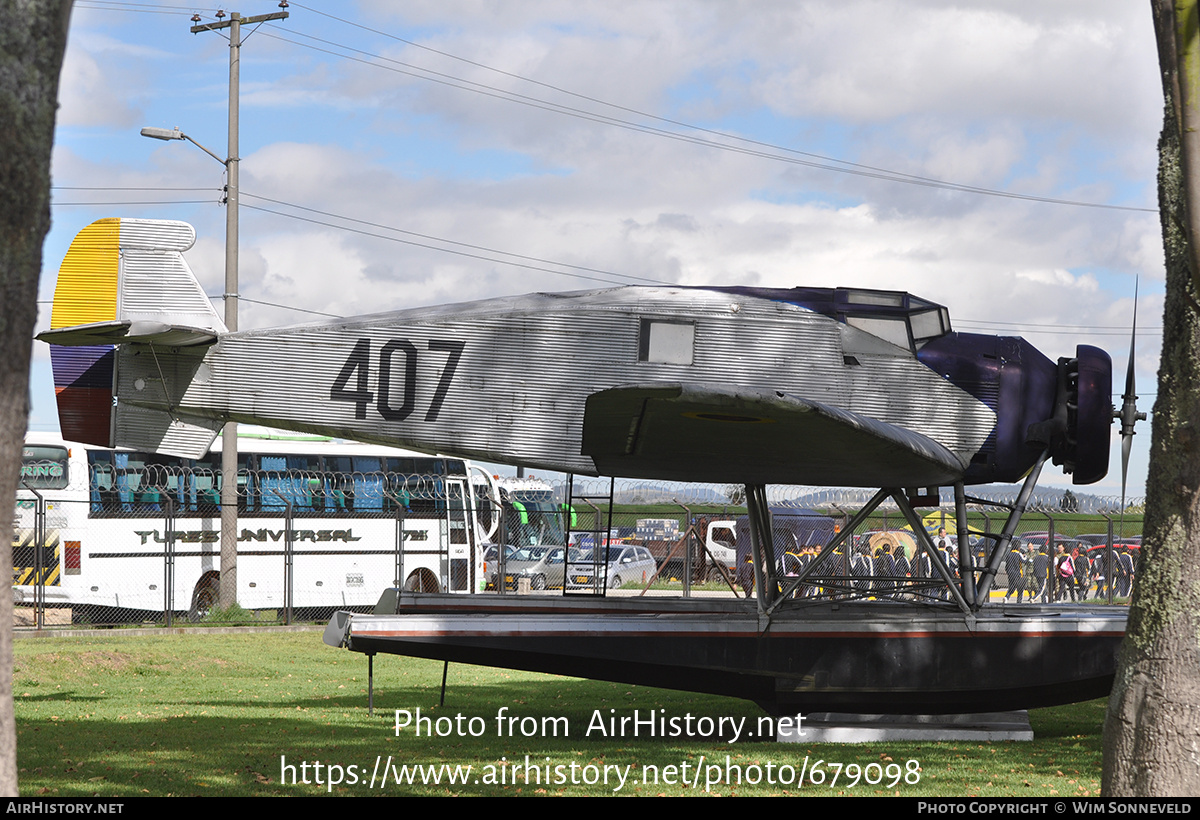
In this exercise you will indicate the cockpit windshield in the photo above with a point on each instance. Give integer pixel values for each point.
(897, 317)
(900, 318)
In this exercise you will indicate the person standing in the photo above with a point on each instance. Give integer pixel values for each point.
(1082, 572)
(1064, 572)
(1041, 574)
(1012, 568)
(902, 566)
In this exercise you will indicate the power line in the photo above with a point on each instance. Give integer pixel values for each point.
(1056, 329)
(817, 161)
(276, 305)
(606, 276)
(1054, 324)
(455, 242)
(127, 188)
(793, 155)
(57, 203)
(121, 5)
(1053, 328)
(434, 247)
(99, 5)
(1076, 333)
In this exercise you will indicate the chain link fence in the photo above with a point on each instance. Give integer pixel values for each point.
(698, 536)
(143, 545)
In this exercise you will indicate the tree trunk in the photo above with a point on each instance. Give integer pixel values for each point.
(33, 35)
(1152, 730)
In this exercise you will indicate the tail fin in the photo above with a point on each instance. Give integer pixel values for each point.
(126, 281)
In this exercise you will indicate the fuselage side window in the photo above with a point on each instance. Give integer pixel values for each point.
(666, 342)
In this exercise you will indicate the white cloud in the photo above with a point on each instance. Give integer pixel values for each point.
(91, 96)
(1054, 99)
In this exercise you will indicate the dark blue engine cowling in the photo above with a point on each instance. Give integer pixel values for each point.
(1021, 385)
(1093, 419)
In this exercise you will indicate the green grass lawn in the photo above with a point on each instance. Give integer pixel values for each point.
(210, 714)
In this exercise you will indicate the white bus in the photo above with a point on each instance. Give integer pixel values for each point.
(129, 534)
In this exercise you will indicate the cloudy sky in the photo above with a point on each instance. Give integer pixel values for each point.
(401, 154)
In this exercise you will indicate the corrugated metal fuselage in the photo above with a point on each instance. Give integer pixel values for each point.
(507, 379)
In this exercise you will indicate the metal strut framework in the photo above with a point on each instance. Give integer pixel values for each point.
(832, 571)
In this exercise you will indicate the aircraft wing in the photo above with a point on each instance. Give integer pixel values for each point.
(717, 434)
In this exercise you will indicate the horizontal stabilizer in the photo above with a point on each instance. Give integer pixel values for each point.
(713, 433)
(116, 332)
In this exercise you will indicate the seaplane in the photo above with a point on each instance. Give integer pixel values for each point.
(754, 386)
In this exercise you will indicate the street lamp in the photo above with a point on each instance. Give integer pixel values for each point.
(176, 134)
(229, 456)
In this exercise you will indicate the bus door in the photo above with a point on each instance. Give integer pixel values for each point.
(35, 547)
(460, 532)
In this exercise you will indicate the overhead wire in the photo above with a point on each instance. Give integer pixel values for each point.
(993, 325)
(57, 203)
(130, 188)
(817, 161)
(606, 276)
(525, 257)
(469, 85)
(1055, 328)
(99, 5)
(277, 305)
(414, 243)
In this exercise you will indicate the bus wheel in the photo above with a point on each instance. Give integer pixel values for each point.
(205, 597)
(422, 580)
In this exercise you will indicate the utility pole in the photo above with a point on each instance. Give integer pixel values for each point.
(229, 448)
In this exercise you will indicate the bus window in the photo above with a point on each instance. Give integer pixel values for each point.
(204, 489)
(102, 482)
(368, 484)
(286, 479)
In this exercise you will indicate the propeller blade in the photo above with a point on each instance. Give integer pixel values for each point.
(1130, 389)
(1126, 446)
(1128, 413)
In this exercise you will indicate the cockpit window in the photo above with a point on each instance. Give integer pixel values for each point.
(929, 324)
(890, 298)
(891, 316)
(899, 318)
(890, 330)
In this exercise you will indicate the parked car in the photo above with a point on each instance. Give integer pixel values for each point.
(543, 566)
(491, 562)
(1036, 541)
(626, 565)
(1100, 539)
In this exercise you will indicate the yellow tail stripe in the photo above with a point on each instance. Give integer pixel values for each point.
(87, 281)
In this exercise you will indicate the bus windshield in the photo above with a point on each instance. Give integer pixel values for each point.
(532, 523)
(44, 467)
